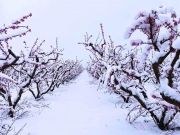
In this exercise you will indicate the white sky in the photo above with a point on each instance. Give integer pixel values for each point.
(69, 20)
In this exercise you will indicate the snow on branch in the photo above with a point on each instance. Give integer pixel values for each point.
(151, 60)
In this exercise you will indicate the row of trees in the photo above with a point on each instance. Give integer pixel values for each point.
(153, 59)
(32, 70)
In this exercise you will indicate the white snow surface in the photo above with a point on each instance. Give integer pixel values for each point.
(78, 108)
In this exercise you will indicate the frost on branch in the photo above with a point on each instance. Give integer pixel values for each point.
(161, 29)
(31, 70)
(126, 72)
(52, 73)
(157, 20)
(8, 60)
(15, 25)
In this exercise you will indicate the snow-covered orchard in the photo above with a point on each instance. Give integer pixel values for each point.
(129, 71)
(125, 89)
(32, 70)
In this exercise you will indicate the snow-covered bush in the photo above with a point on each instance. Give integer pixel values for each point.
(95, 66)
(32, 69)
(43, 65)
(102, 61)
(51, 75)
(127, 71)
(161, 29)
(69, 70)
(8, 61)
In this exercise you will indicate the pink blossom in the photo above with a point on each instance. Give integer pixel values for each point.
(13, 27)
(173, 15)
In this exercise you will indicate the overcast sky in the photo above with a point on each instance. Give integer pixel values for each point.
(69, 20)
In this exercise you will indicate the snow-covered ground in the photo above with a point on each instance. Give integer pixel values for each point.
(78, 108)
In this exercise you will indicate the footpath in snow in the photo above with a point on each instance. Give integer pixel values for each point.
(79, 109)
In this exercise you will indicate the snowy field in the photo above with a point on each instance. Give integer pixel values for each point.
(78, 108)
